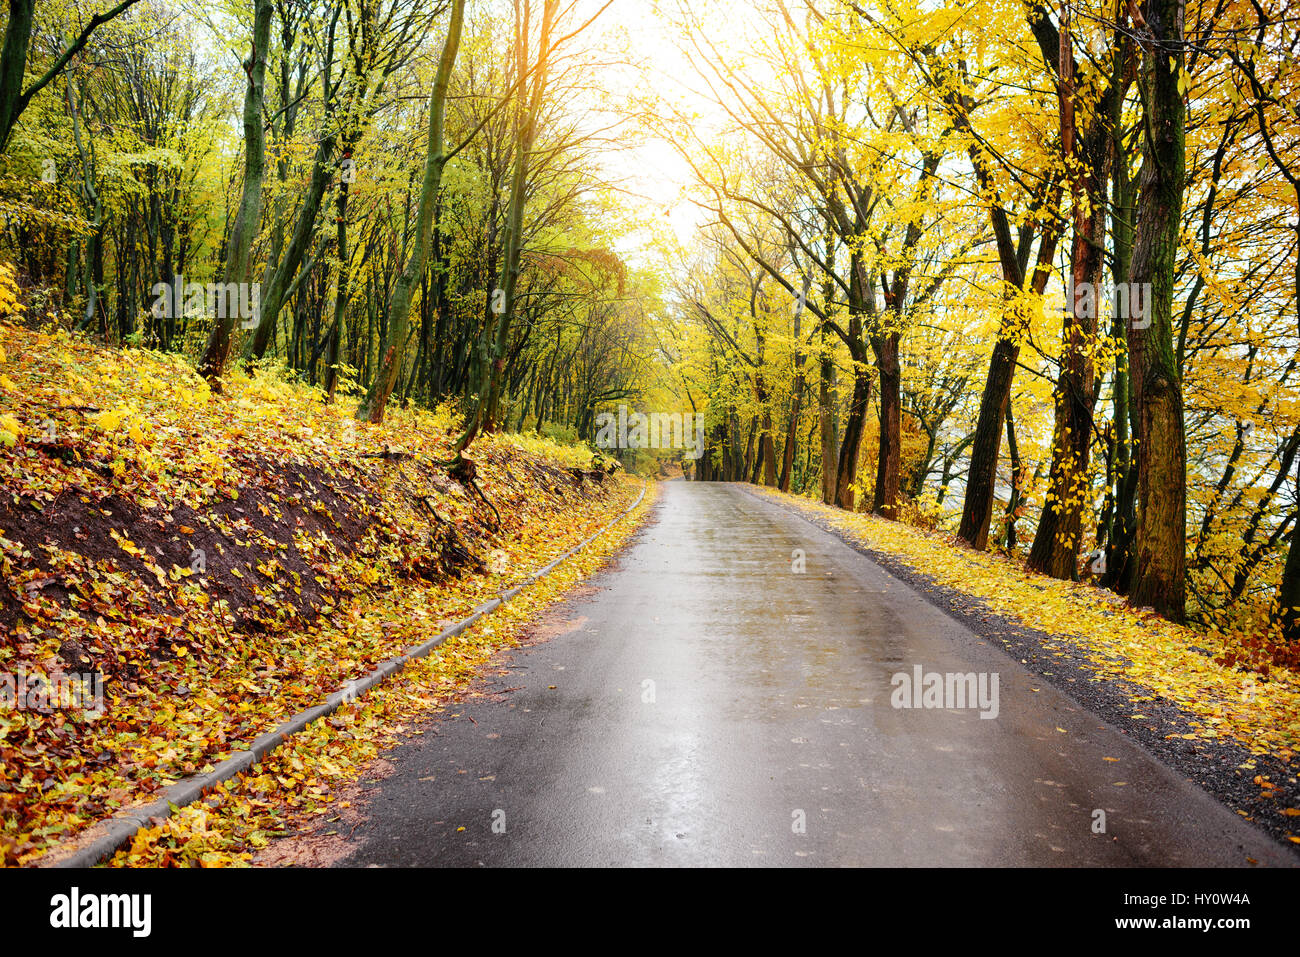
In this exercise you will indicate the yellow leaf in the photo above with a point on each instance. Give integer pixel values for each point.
(109, 421)
(11, 430)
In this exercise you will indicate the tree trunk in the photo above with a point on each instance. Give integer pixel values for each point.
(340, 294)
(767, 449)
(827, 399)
(1160, 570)
(977, 509)
(981, 477)
(750, 472)
(13, 61)
(1119, 547)
(248, 218)
(1288, 593)
(96, 238)
(496, 335)
(1017, 478)
(735, 465)
(399, 303)
(855, 424)
(885, 500)
(792, 433)
(796, 396)
(1060, 527)
(286, 276)
(13, 66)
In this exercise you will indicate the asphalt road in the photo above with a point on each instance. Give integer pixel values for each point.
(711, 705)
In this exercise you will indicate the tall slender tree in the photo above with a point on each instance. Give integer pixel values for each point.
(239, 247)
(496, 333)
(399, 303)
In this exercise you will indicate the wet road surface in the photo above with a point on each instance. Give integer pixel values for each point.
(712, 706)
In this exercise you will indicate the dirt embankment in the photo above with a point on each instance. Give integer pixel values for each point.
(187, 546)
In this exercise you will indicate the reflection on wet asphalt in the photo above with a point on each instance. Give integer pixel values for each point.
(712, 706)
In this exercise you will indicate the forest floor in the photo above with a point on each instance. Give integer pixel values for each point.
(225, 560)
(1184, 693)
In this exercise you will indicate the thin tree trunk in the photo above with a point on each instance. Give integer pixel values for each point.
(248, 218)
(1288, 593)
(92, 194)
(981, 477)
(796, 394)
(1060, 527)
(1119, 547)
(855, 424)
(399, 303)
(827, 399)
(287, 276)
(1017, 478)
(340, 294)
(888, 462)
(977, 509)
(792, 433)
(496, 335)
(750, 471)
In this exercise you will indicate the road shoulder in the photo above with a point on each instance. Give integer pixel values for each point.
(1222, 767)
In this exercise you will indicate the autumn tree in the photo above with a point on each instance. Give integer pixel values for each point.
(14, 96)
(399, 305)
(239, 246)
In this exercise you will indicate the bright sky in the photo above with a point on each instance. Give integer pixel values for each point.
(654, 169)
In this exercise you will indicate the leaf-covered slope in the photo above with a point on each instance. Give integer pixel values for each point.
(188, 546)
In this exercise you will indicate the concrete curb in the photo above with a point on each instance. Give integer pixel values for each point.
(121, 828)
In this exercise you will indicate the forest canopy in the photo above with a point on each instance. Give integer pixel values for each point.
(1022, 273)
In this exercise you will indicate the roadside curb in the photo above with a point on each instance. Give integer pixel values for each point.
(121, 828)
